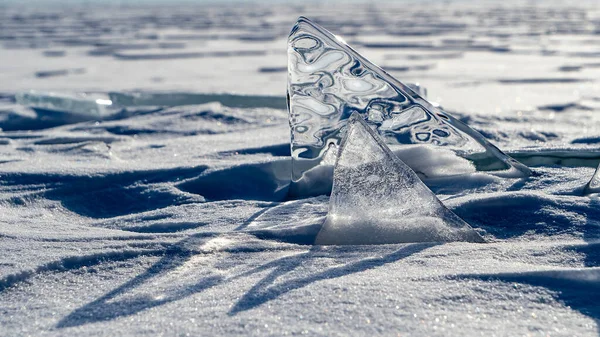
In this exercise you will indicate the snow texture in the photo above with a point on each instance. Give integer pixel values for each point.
(171, 216)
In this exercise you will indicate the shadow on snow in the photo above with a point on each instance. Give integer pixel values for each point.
(106, 308)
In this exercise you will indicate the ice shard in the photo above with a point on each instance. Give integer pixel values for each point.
(377, 199)
(132, 99)
(328, 81)
(593, 186)
(92, 106)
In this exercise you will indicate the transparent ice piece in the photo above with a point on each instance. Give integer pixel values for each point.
(593, 186)
(141, 98)
(176, 98)
(377, 199)
(76, 104)
(328, 81)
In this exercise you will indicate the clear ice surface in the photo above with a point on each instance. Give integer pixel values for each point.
(76, 104)
(593, 186)
(328, 81)
(132, 99)
(175, 98)
(377, 199)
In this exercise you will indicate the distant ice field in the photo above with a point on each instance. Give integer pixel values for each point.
(170, 214)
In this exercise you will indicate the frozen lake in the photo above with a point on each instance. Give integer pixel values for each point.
(139, 221)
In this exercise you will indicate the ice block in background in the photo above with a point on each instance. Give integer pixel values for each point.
(328, 81)
(85, 105)
(145, 98)
(127, 99)
(377, 199)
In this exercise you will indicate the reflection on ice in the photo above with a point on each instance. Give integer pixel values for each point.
(328, 81)
(96, 106)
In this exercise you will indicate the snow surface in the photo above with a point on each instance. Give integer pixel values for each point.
(174, 220)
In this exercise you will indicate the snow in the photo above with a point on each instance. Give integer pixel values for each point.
(175, 219)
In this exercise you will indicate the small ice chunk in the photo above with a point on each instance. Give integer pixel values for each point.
(377, 199)
(593, 186)
(59, 72)
(54, 53)
(77, 104)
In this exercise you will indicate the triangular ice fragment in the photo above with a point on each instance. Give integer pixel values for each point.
(377, 199)
(593, 186)
(328, 81)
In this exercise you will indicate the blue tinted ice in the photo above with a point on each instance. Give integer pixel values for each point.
(377, 199)
(127, 99)
(76, 104)
(328, 81)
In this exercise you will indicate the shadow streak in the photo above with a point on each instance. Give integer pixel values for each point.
(541, 214)
(264, 291)
(106, 308)
(578, 289)
(256, 216)
(106, 195)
